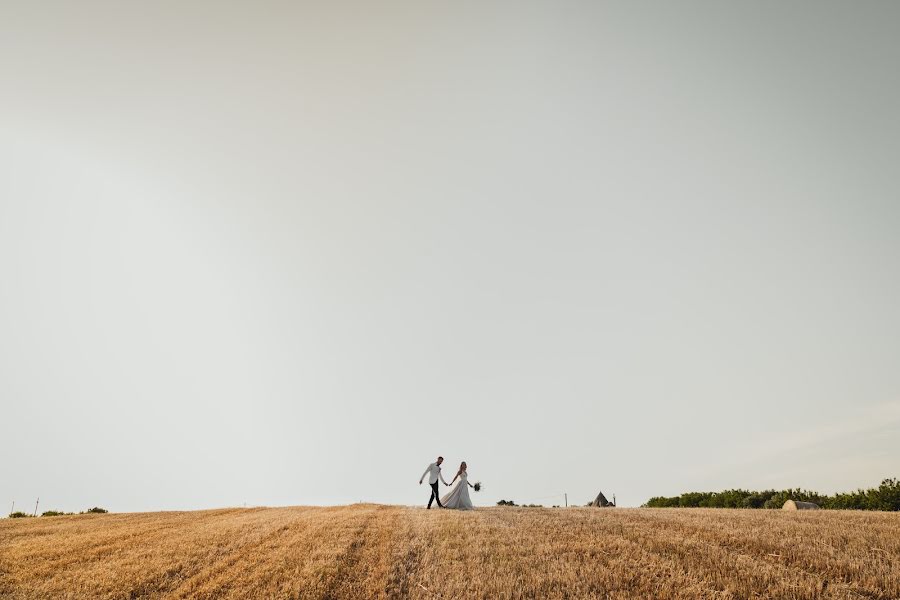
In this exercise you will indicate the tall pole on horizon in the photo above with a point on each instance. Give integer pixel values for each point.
(567, 499)
(35, 506)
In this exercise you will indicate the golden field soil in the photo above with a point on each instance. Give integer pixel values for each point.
(373, 551)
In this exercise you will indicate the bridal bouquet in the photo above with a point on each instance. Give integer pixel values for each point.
(477, 486)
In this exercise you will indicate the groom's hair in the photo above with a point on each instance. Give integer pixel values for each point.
(440, 458)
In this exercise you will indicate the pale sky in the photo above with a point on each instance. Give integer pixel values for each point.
(275, 253)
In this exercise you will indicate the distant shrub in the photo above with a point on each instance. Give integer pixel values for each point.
(533, 505)
(884, 497)
(54, 513)
(19, 515)
(660, 502)
(506, 503)
(96, 510)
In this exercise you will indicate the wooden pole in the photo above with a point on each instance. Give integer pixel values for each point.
(35, 506)
(13, 508)
(567, 500)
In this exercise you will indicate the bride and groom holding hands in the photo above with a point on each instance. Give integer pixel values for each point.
(458, 497)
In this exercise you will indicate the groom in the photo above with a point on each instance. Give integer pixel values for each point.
(434, 473)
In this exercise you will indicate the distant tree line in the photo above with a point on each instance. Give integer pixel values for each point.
(512, 503)
(56, 513)
(884, 497)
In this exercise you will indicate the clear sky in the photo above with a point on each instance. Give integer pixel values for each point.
(271, 253)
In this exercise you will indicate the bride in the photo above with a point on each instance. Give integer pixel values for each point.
(458, 497)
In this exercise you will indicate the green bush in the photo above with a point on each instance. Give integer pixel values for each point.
(19, 515)
(54, 513)
(506, 503)
(97, 510)
(662, 502)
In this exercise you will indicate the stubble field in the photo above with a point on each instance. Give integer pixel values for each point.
(373, 551)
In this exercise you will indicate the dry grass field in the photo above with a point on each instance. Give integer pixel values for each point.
(371, 551)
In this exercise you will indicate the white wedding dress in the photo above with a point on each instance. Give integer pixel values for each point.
(458, 497)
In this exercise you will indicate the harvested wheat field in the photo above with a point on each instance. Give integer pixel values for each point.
(372, 551)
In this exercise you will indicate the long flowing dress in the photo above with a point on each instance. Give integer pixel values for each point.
(458, 496)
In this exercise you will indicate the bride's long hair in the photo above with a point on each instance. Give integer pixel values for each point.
(462, 467)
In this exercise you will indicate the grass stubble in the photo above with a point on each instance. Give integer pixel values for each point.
(375, 551)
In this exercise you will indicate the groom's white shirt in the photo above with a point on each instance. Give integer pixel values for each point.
(434, 472)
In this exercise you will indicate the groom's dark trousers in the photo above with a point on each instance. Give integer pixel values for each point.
(435, 495)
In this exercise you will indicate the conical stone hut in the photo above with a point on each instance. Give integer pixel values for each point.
(601, 501)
